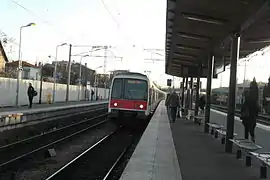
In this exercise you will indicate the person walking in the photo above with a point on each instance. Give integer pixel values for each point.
(31, 93)
(249, 113)
(92, 95)
(167, 106)
(173, 103)
(202, 104)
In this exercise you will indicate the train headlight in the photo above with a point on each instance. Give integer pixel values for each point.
(141, 106)
(115, 104)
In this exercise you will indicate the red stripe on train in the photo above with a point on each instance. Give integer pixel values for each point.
(128, 104)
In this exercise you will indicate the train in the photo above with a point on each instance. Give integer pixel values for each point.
(133, 96)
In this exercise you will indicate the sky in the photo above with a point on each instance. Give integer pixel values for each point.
(128, 26)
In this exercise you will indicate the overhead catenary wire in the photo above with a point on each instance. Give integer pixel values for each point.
(59, 31)
(108, 10)
(117, 24)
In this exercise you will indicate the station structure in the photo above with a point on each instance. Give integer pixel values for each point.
(203, 37)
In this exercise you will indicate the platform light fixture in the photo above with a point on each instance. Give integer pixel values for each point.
(179, 59)
(20, 63)
(266, 40)
(30, 24)
(55, 69)
(204, 19)
(180, 46)
(193, 36)
(176, 65)
(184, 55)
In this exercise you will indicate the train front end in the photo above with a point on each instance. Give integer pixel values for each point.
(129, 99)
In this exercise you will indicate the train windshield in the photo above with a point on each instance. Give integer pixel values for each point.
(132, 89)
(117, 89)
(135, 89)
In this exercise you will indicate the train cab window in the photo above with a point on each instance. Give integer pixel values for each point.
(135, 89)
(117, 89)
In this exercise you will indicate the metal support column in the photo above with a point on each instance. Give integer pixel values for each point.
(68, 79)
(186, 97)
(183, 91)
(208, 92)
(191, 93)
(231, 104)
(197, 92)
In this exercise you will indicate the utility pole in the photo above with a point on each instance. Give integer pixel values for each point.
(105, 59)
(69, 69)
(41, 80)
(104, 68)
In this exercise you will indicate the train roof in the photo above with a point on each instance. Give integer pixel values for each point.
(131, 74)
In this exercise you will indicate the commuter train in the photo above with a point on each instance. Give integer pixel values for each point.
(132, 96)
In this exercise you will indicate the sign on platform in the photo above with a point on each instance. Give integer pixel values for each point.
(169, 82)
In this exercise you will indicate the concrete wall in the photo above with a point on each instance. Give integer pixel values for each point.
(8, 92)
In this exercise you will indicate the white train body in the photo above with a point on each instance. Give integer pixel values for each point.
(133, 94)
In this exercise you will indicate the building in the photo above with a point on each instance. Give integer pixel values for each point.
(102, 80)
(29, 71)
(3, 58)
(88, 75)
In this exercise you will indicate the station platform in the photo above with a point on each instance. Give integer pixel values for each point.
(11, 118)
(181, 150)
(44, 105)
(154, 156)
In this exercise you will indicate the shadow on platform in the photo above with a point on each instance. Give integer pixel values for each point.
(202, 157)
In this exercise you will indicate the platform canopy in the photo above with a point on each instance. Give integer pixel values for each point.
(198, 29)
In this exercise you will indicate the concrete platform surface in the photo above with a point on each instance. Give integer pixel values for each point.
(39, 107)
(202, 157)
(154, 156)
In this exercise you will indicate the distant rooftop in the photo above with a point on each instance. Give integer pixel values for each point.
(24, 64)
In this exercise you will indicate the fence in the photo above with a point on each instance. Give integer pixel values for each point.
(8, 88)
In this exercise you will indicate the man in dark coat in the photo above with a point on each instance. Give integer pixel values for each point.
(173, 103)
(92, 95)
(249, 113)
(31, 93)
(202, 103)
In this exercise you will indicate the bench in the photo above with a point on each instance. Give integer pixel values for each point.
(190, 114)
(247, 146)
(198, 119)
(222, 132)
(264, 158)
(214, 127)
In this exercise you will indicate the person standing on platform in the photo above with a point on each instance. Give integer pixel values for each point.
(31, 93)
(166, 101)
(249, 113)
(92, 95)
(173, 103)
(167, 105)
(202, 104)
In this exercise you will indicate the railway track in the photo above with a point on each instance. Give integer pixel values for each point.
(261, 118)
(100, 160)
(13, 154)
(14, 135)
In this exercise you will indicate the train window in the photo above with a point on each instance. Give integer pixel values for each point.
(117, 89)
(136, 89)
